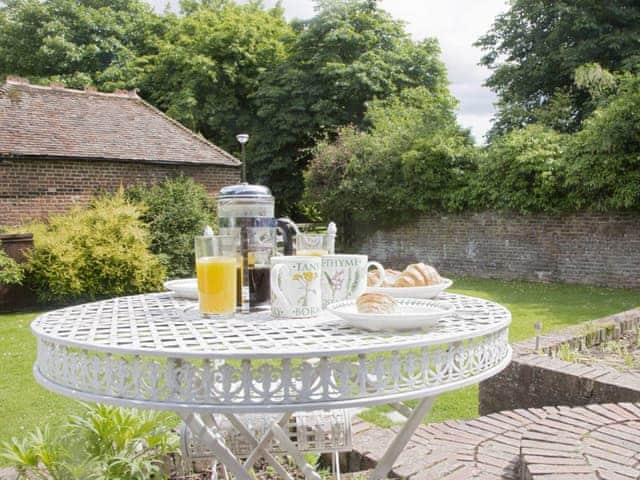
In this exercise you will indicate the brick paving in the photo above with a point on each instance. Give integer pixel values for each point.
(595, 442)
(598, 442)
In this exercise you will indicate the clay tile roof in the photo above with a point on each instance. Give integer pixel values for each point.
(58, 122)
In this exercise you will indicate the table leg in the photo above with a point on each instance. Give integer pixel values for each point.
(401, 439)
(257, 447)
(283, 439)
(255, 454)
(216, 444)
(206, 431)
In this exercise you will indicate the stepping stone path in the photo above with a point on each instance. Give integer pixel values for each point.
(596, 442)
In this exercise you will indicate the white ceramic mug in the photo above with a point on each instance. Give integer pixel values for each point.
(295, 287)
(344, 277)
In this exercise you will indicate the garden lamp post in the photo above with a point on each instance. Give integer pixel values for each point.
(242, 139)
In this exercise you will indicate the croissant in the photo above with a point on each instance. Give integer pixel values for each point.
(390, 275)
(418, 275)
(376, 303)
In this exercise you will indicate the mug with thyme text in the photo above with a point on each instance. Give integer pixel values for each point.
(344, 277)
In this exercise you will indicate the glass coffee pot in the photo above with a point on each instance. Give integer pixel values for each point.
(248, 210)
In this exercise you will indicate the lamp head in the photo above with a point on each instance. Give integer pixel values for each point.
(242, 138)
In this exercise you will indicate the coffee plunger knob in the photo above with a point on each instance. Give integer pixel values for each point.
(332, 231)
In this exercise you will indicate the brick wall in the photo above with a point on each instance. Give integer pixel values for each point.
(599, 249)
(35, 188)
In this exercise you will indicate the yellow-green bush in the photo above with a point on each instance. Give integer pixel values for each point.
(93, 252)
(10, 272)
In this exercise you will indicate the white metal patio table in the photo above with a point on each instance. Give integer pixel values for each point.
(155, 351)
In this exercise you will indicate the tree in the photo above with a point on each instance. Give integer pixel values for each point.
(105, 43)
(413, 160)
(524, 171)
(175, 210)
(349, 53)
(604, 157)
(536, 46)
(209, 65)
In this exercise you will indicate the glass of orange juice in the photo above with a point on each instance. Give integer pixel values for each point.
(312, 244)
(216, 269)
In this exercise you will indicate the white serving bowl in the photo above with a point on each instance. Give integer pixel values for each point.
(429, 291)
(412, 314)
(184, 288)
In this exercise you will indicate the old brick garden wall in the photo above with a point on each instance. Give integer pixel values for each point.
(600, 249)
(33, 188)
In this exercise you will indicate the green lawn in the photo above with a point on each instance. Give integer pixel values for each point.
(24, 404)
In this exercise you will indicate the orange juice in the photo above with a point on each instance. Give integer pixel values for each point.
(311, 252)
(217, 284)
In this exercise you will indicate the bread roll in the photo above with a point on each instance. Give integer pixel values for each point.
(376, 303)
(390, 275)
(418, 275)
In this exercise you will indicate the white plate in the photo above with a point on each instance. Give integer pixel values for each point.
(413, 313)
(413, 292)
(185, 287)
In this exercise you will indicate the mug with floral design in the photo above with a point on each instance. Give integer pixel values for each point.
(344, 277)
(295, 287)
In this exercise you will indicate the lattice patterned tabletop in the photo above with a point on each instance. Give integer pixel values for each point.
(155, 351)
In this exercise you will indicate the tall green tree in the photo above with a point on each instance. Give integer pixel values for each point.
(537, 45)
(210, 62)
(106, 43)
(604, 157)
(413, 159)
(349, 53)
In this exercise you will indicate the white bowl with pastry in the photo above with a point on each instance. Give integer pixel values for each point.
(382, 312)
(416, 281)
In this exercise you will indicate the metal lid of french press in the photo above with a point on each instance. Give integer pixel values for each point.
(245, 190)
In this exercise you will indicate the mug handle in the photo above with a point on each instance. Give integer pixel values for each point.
(276, 271)
(380, 268)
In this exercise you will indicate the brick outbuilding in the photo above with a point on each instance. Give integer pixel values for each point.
(59, 147)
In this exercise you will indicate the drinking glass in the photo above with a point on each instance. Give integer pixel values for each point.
(312, 244)
(216, 269)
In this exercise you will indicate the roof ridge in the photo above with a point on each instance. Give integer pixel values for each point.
(189, 131)
(162, 138)
(127, 94)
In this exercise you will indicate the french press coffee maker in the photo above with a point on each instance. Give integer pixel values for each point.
(249, 210)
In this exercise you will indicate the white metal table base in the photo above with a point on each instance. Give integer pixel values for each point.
(206, 433)
(208, 436)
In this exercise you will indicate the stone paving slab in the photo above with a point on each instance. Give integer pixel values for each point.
(8, 474)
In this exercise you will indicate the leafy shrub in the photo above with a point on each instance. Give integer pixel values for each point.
(523, 171)
(105, 443)
(10, 272)
(413, 160)
(604, 158)
(93, 252)
(176, 210)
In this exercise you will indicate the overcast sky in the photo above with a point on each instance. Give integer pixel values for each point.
(456, 24)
